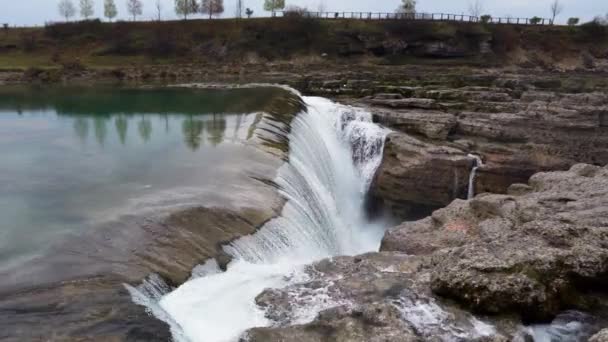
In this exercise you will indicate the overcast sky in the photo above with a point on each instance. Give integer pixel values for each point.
(37, 12)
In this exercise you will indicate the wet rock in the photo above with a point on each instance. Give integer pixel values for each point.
(414, 175)
(601, 336)
(371, 297)
(374, 323)
(534, 253)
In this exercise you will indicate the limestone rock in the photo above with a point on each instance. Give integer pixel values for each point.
(416, 174)
(601, 336)
(534, 253)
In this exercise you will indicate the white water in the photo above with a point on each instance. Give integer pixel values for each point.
(334, 152)
(478, 163)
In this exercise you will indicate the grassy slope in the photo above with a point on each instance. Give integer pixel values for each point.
(105, 45)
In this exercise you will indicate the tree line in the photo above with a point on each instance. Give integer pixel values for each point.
(183, 8)
(188, 8)
(476, 9)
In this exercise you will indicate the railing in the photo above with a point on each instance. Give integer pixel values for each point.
(414, 16)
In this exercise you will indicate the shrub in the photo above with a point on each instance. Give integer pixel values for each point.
(573, 21)
(295, 11)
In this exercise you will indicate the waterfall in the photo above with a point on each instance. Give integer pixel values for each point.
(476, 165)
(334, 153)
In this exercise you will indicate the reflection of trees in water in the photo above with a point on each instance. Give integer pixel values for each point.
(167, 127)
(100, 130)
(216, 129)
(144, 126)
(237, 127)
(122, 125)
(81, 129)
(192, 129)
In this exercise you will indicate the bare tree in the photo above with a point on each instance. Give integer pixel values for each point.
(185, 8)
(239, 8)
(321, 6)
(212, 7)
(476, 8)
(86, 8)
(159, 9)
(109, 9)
(556, 9)
(135, 8)
(67, 9)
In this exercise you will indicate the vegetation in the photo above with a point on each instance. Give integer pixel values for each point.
(573, 21)
(109, 9)
(134, 8)
(407, 7)
(556, 9)
(212, 7)
(486, 18)
(67, 9)
(274, 5)
(185, 8)
(97, 44)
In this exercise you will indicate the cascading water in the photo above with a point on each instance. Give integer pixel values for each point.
(334, 152)
(477, 164)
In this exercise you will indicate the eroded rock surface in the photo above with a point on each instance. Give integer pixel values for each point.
(534, 252)
(415, 176)
(519, 125)
(372, 297)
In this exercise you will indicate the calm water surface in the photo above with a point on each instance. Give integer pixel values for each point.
(73, 157)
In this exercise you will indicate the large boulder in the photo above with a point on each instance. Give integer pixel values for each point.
(536, 251)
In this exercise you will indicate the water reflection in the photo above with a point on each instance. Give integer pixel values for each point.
(122, 126)
(144, 127)
(73, 157)
(81, 128)
(192, 129)
(100, 130)
(216, 129)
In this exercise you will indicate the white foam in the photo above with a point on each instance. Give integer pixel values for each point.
(334, 152)
(477, 164)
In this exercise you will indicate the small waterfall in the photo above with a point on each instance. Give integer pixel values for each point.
(334, 153)
(477, 164)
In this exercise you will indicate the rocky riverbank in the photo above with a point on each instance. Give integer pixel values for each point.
(528, 248)
(511, 259)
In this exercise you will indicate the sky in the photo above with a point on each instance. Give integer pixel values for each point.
(37, 12)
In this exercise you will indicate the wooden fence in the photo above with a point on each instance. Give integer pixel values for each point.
(415, 16)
